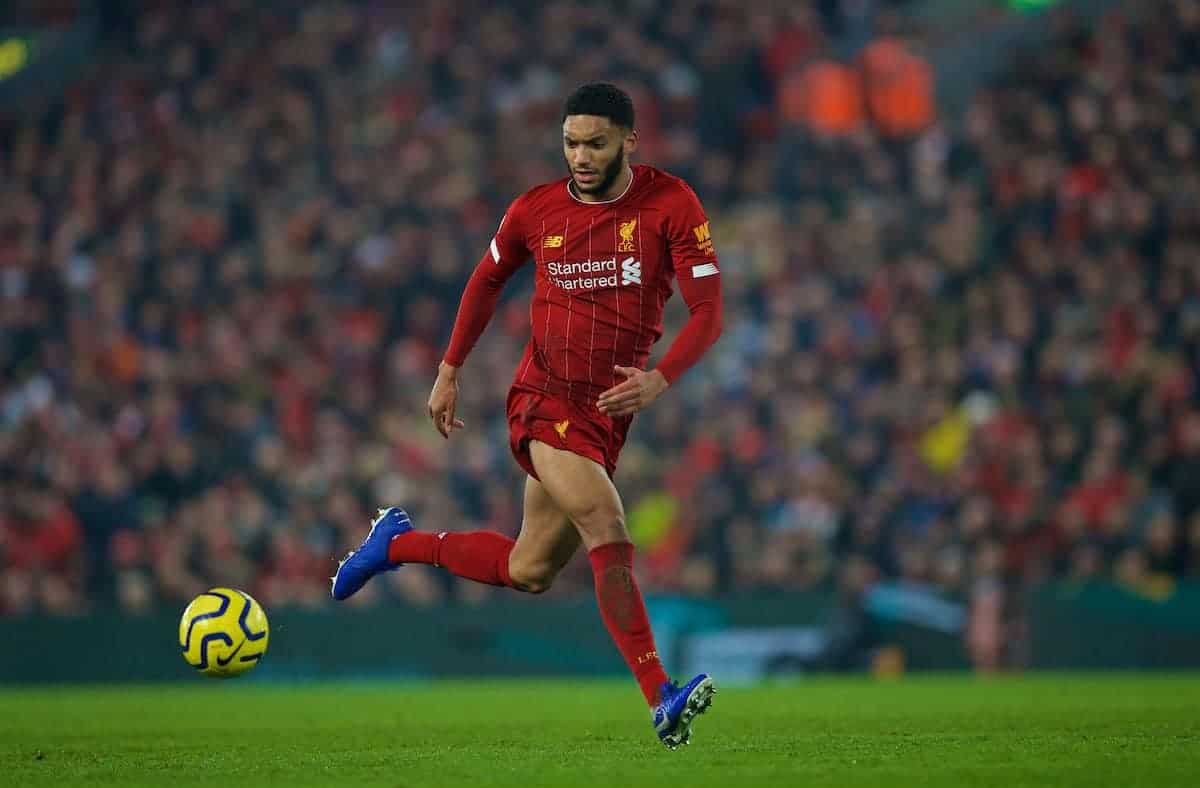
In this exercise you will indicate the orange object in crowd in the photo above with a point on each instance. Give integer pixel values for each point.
(899, 88)
(826, 96)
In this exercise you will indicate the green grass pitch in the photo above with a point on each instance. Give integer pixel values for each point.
(1050, 730)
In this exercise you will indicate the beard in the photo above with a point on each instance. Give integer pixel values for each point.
(607, 177)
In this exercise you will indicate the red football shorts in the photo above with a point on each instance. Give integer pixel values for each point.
(563, 424)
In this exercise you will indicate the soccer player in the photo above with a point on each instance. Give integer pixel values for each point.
(607, 241)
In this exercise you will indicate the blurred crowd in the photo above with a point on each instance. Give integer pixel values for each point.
(961, 353)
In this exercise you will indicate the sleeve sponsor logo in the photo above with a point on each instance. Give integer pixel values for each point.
(703, 238)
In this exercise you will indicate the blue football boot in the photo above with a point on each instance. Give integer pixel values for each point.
(673, 717)
(371, 557)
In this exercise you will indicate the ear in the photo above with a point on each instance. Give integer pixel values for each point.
(631, 142)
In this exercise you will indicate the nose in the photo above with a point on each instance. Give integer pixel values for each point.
(581, 157)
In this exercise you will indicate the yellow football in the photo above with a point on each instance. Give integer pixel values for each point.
(223, 633)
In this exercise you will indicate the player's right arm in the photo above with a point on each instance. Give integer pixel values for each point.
(506, 253)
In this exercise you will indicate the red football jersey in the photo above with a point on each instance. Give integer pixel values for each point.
(604, 274)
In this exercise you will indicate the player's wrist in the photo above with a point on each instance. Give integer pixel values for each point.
(447, 370)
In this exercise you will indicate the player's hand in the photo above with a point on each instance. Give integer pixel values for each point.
(638, 390)
(443, 400)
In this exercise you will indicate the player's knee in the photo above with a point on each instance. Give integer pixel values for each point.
(532, 578)
(601, 523)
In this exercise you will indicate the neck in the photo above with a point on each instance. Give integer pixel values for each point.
(618, 187)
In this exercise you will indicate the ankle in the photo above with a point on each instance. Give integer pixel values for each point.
(413, 547)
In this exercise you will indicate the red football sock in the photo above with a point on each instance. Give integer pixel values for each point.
(624, 614)
(476, 555)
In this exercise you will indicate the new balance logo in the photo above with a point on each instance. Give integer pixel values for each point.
(631, 272)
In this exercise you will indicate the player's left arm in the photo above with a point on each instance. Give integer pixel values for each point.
(695, 263)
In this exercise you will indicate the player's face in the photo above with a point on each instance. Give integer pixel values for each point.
(595, 151)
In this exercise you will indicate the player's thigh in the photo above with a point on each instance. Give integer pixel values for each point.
(583, 492)
(547, 540)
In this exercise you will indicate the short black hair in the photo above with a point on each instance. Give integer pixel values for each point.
(603, 99)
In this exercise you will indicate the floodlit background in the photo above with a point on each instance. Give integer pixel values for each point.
(953, 422)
